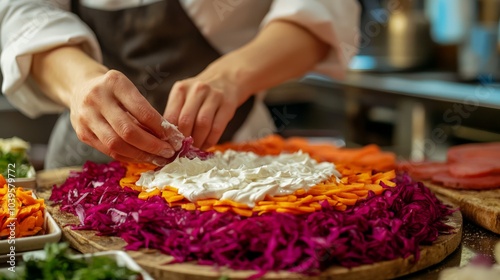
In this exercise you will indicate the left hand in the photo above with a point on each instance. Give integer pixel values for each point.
(202, 107)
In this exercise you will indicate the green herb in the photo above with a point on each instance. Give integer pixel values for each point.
(18, 159)
(59, 265)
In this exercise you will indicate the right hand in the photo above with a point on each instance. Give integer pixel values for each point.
(110, 114)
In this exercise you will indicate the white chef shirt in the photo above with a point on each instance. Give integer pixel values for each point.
(31, 26)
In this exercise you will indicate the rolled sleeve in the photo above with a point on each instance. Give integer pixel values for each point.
(29, 27)
(334, 22)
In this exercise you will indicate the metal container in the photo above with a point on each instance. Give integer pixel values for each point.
(395, 36)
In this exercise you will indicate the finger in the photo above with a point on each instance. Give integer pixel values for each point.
(222, 118)
(115, 147)
(195, 98)
(134, 103)
(173, 135)
(88, 137)
(93, 141)
(126, 128)
(175, 102)
(205, 118)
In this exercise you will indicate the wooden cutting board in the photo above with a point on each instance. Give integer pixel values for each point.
(481, 207)
(155, 263)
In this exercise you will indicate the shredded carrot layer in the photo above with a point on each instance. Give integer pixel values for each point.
(20, 212)
(358, 179)
(368, 157)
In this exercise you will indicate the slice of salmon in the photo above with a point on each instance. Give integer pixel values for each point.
(475, 183)
(475, 167)
(467, 152)
(423, 170)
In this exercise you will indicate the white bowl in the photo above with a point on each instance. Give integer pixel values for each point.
(25, 183)
(52, 233)
(121, 258)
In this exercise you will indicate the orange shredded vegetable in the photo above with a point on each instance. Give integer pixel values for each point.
(20, 213)
(370, 156)
(355, 165)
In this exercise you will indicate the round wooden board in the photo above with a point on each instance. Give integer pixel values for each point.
(156, 263)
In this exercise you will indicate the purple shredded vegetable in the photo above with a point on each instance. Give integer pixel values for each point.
(189, 151)
(380, 228)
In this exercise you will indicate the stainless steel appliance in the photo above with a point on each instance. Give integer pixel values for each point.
(395, 36)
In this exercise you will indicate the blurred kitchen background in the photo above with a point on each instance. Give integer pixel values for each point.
(427, 76)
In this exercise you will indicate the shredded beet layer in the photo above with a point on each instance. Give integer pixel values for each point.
(380, 228)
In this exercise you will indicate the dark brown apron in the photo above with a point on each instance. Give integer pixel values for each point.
(154, 46)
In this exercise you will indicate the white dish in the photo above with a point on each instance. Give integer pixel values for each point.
(25, 183)
(22, 244)
(121, 258)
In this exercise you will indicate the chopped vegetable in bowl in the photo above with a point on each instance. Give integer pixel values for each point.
(57, 263)
(14, 159)
(20, 208)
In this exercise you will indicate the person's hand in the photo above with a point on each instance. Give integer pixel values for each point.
(109, 114)
(203, 106)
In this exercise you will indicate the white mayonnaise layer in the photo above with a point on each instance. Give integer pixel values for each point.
(243, 177)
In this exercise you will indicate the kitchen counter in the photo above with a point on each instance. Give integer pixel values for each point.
(438, 86)
(418, 105)
(475, 241)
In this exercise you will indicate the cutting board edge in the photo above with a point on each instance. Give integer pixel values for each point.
(151, 263)
(468, 207)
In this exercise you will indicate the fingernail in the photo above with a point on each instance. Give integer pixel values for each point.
(160, 161)
(167, 153)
